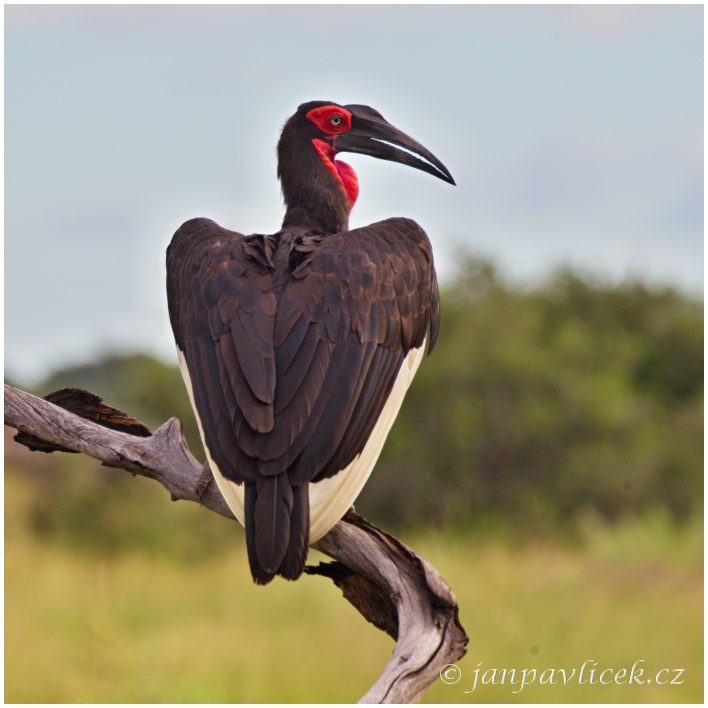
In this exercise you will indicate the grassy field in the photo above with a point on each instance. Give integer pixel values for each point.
(137, 626)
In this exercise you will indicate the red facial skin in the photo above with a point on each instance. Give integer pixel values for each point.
(333, 120)
(323, 117)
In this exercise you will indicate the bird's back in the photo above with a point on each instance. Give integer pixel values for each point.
(297, 349)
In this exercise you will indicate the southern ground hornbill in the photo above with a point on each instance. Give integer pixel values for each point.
(297, 347)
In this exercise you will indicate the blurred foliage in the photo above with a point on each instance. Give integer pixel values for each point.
(541, 403)
(539, 406)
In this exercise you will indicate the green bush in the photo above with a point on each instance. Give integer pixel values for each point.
(540, 405)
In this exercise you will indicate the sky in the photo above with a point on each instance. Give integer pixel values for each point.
(574, 133)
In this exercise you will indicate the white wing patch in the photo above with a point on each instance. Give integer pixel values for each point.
(232, 493)
(331, 498)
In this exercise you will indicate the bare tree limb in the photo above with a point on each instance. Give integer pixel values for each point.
(392, 587)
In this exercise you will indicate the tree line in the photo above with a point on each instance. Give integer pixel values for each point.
(539, 404)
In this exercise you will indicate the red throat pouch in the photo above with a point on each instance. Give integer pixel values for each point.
(343, 172)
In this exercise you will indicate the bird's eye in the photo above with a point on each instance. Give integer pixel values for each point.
(335, 120)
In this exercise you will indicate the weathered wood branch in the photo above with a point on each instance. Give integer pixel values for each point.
(392, 587)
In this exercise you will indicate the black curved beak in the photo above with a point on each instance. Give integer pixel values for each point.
(371, 135)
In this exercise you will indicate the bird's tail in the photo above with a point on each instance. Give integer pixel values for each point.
(277, 527)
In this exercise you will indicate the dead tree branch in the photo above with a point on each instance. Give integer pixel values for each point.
(392, 587)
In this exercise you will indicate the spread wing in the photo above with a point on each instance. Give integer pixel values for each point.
(294, 346)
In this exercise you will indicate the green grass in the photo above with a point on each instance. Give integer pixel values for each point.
(137, 626)
(544, 606)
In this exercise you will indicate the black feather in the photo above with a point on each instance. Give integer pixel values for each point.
(293, 344)
(273, 508)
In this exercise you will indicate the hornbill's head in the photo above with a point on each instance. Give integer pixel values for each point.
(318, 131)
